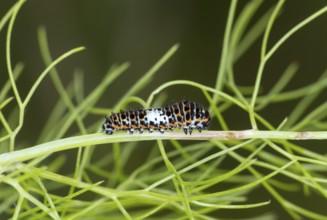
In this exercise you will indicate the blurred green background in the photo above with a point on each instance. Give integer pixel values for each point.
(140, 32)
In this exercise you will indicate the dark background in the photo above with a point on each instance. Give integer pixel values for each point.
(140, 32)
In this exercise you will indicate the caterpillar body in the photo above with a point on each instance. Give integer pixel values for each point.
(184, 114)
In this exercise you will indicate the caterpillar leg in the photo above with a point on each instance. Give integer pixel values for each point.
(108, 131)
(190, 130)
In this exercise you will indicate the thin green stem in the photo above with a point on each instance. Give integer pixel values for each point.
(11, 75)
(139, 85)
(99, 138)
(269, 27)
(294, 30)
(8, 52)
(224, 53)
(46, 71)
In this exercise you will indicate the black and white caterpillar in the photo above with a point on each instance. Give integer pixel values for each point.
(184, 114)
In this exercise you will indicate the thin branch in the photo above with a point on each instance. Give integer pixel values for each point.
(100, 138)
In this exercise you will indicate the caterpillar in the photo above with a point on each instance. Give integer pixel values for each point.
(184, 114)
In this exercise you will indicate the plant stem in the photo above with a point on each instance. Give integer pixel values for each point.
(99, 138)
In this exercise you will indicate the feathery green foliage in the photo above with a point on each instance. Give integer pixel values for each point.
(175, 179)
